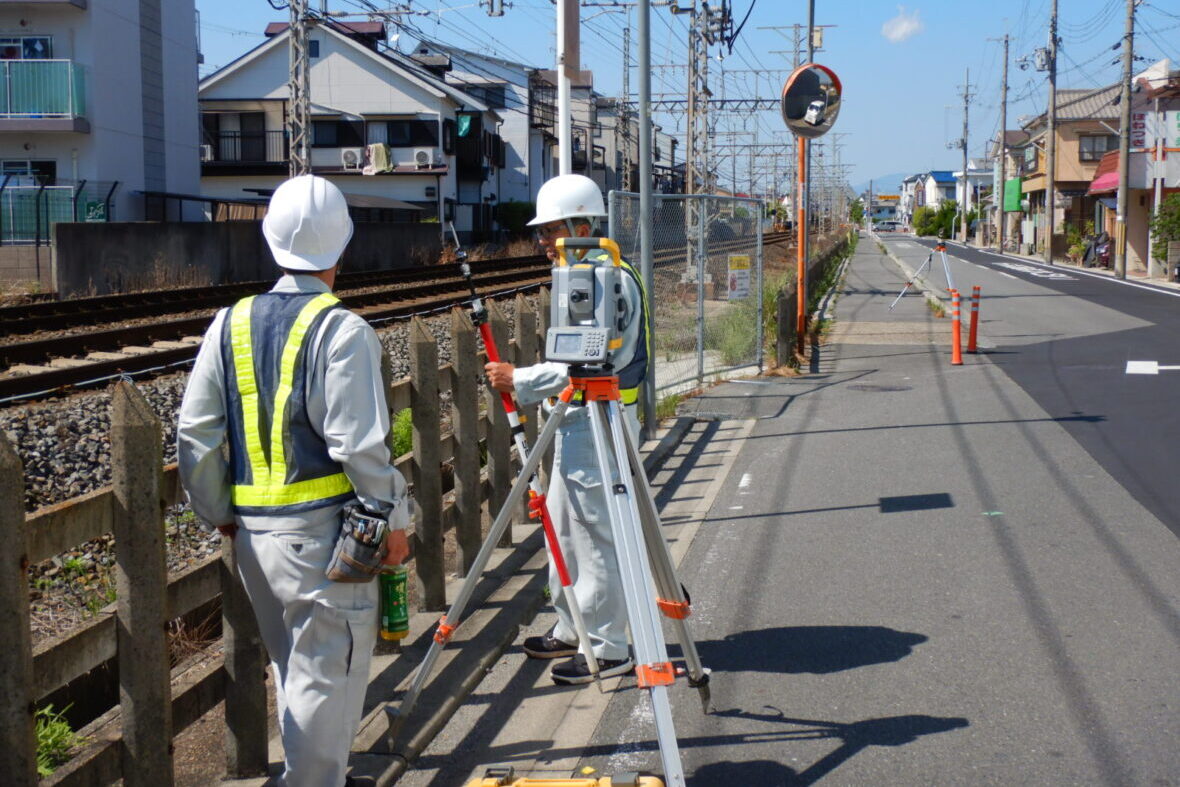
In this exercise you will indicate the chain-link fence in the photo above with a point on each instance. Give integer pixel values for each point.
(707, 272)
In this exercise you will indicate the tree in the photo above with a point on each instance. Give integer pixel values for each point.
(856, 212)
(1165, 227)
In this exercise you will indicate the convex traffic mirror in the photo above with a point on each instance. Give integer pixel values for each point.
(811, 100)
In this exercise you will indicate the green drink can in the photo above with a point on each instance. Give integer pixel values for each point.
(395, 614)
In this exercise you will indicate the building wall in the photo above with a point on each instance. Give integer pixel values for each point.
(104, 39)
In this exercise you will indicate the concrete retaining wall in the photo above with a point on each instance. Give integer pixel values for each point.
(96, 259)
(29, 268)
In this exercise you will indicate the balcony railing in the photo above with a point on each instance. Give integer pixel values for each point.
(42, 89)
(244, 147)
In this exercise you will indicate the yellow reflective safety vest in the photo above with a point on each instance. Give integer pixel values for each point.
(278, 461)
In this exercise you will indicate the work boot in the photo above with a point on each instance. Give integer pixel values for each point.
(576, 670)
(548, 646)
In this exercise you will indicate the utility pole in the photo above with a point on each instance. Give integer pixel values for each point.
(645, 201)
(963, 143)
(623, 116)
(567, 66)
(1051, 143)
(998, 198)
(299, 91)
(1120, 227)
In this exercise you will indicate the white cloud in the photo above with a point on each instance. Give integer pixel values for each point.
(902, 26)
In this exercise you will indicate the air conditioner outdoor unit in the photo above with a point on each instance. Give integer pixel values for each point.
(206, 152)
(352, 158)
(424, 157)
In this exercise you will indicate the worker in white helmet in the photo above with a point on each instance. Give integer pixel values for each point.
(571, 205)
(289, 382)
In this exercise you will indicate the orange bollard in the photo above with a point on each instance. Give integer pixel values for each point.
(956, 332)
(974, 319)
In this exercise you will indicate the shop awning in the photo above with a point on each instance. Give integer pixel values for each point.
(1106, 177)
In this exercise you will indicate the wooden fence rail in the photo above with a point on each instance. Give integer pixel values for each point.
(133, 741)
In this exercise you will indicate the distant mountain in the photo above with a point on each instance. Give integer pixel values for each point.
(883, 184)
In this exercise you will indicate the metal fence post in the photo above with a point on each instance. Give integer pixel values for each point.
(702, 252)
(145, 694)
(761, 213)
(18, 746)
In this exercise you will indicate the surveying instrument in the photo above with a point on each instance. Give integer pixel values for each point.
(587, 321)
(940, 248)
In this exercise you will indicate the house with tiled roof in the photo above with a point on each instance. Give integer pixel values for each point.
(386, 129)
(1083, 135)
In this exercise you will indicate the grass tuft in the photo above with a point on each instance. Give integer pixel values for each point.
(55, 739)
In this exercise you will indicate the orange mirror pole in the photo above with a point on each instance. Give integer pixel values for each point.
(801, 247)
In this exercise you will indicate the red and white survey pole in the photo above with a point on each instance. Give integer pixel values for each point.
(538, 509)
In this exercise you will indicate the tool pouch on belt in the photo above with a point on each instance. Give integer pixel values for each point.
(360, 546)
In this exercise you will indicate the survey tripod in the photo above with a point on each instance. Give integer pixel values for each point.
(643, 556)
(940, 247)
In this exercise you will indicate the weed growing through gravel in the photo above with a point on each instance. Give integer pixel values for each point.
(55, 739)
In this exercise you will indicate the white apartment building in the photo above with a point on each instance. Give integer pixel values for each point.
(98, 105)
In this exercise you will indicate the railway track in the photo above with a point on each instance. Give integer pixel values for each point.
(42, 366)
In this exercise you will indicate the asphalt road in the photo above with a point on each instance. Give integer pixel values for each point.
(914, 575)
(1065, 336)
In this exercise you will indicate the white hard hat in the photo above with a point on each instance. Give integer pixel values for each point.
(568, 197)
(307, 224)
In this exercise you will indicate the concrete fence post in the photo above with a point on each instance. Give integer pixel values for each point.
(245, 672)
(18, 746)
(145, 695)
(465, 427)
(426, 472)
(499, 435)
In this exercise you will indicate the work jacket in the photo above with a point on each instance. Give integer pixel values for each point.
(290, 382)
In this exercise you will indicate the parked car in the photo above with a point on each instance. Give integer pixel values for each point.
(886, 226)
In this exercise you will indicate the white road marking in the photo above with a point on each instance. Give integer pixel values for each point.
(736, 508)
(1009, 275)
(1148, 367)
(1031, 271)
(1089, 275)
(746, 481)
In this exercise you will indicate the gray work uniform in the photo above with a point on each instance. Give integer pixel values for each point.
(577, 501)
(319, 634)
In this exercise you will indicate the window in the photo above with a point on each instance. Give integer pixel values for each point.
(26, 47)
(492, 95)
(1094, 147)
(313, 48)
(337, 133)
(26, 172)
(403, 133)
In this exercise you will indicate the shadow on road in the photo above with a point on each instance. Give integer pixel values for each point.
(854, 738)
(807, 649)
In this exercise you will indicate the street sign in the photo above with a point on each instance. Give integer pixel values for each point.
(739, 276)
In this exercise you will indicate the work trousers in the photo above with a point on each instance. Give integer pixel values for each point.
(578, 507)
(320, 636)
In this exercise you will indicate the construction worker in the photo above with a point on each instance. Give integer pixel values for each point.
(290, 382)
(571, 205)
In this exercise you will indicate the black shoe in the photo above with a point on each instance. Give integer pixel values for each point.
(547, 646)
(577, 671)
(360, 781)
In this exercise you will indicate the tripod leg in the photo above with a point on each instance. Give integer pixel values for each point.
(946, 269)
(449, 622)
(673, 600)
(653, 670)
(917, 275)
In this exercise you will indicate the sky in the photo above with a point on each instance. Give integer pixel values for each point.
(902, 66)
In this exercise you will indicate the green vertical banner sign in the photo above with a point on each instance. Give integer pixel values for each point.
(1012, 194)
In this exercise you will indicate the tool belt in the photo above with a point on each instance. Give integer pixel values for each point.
(360, 547)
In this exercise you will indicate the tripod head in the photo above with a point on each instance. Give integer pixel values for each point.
(588, 311)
